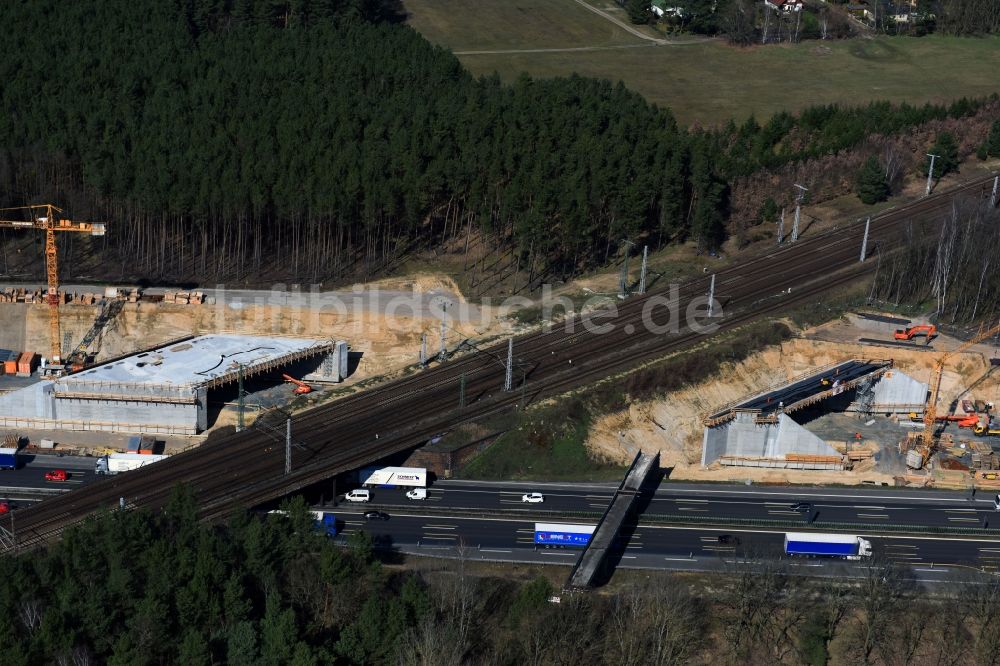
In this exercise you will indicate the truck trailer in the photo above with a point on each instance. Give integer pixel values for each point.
(8, 458)
(559, 534)
(810, 544)
(326, 523)
(116, 463)
(392, 477)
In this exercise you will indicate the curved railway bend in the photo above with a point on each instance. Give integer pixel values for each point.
(246, 469)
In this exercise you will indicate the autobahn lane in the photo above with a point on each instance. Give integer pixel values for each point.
(27, 483)
(648, 545)
(805, 506)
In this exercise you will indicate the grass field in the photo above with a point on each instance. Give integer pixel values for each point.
(467, 25)
(709, 82)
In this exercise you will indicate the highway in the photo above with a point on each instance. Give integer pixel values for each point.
(860, 506)
(651, 546)
(247, 469)
(27, 485)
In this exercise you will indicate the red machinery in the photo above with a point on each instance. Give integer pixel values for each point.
(929, 331)
(301, 388)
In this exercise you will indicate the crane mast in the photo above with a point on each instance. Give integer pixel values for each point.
(43, 218)
(930, 413)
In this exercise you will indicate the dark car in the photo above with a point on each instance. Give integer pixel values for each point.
(801, 506)
(376, 515)
(729, 540)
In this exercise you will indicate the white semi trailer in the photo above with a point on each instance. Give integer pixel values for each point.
(116, 463)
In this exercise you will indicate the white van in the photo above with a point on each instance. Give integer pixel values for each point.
(359, 495)
(417, 494)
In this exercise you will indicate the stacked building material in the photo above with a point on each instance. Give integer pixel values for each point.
(8, 361)
(26, 364)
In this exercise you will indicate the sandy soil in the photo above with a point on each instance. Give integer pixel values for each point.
(672, 424)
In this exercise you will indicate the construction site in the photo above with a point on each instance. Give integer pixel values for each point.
(89, 366)
(848, 402)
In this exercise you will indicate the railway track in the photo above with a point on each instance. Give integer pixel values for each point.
(245, 469)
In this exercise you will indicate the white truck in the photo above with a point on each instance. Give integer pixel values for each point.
(392, 477)
(116, 463)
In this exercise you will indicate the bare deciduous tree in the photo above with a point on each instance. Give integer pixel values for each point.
(879, 593)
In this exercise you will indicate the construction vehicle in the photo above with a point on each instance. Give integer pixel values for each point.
(963, 420)
(990, 429)
(301, 388)
(43, 218)
(929, 331)
(930, 413)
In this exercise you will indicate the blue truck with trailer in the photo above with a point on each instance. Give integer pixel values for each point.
(559, 534)
(815, 544)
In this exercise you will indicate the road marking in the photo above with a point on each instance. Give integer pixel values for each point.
(550, 552)
(772, 512)
(495, 550)
(873, 515)
(350, 522)
(990, 550)
(690, 528)
(628, 557)
(439, 536)
(963, 520)
(932, 570)
(440, 527)
(902, 545)
(803, 564)
(874, 508)
(712, 539)
(681, 559)
(796, 493)
(699, 501)
(690, 508)
(960, 510)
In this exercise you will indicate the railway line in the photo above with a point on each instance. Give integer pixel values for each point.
(244, 469)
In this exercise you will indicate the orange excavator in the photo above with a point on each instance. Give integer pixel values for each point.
(929, 331)
(301, 388)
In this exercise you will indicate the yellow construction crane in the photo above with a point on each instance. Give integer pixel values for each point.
(930, 413)
(43, 218)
